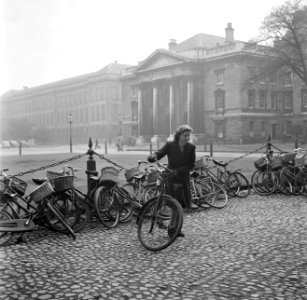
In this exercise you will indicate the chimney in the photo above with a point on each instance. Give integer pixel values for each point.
(172, 43)
(229, 34)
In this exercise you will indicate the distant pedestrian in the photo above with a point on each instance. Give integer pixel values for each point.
(97, 145)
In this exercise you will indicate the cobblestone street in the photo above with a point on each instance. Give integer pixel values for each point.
(254, 248)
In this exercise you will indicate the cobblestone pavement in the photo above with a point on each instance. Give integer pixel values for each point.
(253, 249)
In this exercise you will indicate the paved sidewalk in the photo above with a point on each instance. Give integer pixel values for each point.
(255, 248)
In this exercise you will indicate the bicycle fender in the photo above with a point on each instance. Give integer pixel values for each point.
(147, 203)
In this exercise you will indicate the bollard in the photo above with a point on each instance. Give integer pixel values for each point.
(295, 143)
(269, 144)
(105, 147)
(20, 148)
(90, 166)
(150, 147)
(211, 148)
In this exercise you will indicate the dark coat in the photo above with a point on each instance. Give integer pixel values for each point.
(182, 163)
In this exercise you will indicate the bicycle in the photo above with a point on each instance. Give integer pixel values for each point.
(80, 206)
(204, 188)
(160, 219)
(138, 187)
(12, 221)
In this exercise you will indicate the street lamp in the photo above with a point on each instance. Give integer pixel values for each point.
(70, 135)
(120, 120)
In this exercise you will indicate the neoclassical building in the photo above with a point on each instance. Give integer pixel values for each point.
(210, 83)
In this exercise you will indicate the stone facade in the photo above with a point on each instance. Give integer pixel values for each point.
(94, 100)
(210, 83)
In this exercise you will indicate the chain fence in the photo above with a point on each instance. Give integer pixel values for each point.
(122, 168)
(64, 161)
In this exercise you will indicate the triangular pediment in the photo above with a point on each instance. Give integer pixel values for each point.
(159, 59)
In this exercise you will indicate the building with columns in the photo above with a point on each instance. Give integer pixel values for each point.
(211, 83)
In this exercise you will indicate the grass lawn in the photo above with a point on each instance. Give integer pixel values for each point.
(17, 164)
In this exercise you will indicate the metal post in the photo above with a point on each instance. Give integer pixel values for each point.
(211, 148)
(296, 143)
(150, 146)
(90, 166)
(269, 144)
(105, 147)
(20, 147)
(70, 133)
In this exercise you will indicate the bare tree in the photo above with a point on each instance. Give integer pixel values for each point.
(283, 39)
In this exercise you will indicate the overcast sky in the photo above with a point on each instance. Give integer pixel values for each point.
(48, 40)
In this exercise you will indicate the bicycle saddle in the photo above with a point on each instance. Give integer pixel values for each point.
(39, 180)
(220, 163)
(139, 177)
(95, 178)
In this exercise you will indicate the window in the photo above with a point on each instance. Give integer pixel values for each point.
(288, 79)
(134, 110)
(251, 74)
(287, 96)
(273, 78)
(251, 99)
(288, 127)
(220, 100)
(262, 99)
(304, 98)
(263, 128)
(220, 128)
(251, 128)
(219, 77)
(274, 99)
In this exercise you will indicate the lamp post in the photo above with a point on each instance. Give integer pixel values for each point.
(70, 135)
(120, 142)
(120, 120)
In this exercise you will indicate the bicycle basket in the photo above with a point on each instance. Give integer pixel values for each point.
(109, 175)
(276, 163)
(260, 164)
(153, 176)
(18, 186)
(63, 183)
(299, 160)
(199, 164)
(287, 158)
(130, 173)
(41, 192)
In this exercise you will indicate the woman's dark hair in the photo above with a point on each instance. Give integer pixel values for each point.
(180, 130)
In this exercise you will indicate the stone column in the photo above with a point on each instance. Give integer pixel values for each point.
(140, 111)
(171, 109)
(155, 110)
(189, 102)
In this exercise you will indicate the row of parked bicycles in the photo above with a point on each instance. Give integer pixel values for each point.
(60, 206)
(281, 172)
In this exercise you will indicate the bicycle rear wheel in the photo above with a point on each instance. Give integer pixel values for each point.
(65, 205)
(107, 207)
(5, 237)
(244, 188)
(58, 214)
(155, 232)
(123, 194)
(215, 195)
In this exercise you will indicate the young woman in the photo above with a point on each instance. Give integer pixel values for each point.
(181, 159)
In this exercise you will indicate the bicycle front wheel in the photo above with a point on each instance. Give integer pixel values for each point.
(214, 195)
(244, 188)
(107, 207)
(5, 237)
(155, 231)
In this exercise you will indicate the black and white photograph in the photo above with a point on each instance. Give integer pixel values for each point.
(153, 150)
